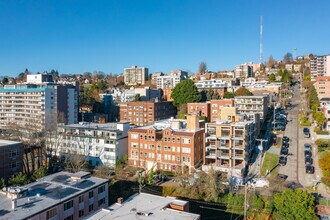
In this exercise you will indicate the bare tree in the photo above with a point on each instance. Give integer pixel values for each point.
(202, 67)
(271, 62)
(75, 162)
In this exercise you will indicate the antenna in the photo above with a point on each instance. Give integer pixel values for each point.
(261, 40)
(294, 53)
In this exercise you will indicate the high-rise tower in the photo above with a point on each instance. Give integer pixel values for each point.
(261, 40)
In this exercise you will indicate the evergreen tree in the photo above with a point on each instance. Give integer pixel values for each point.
(185, 92)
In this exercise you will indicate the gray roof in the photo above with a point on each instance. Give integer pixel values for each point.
(46, 193)
(142, 203)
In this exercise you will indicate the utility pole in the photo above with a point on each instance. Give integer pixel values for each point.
(245, 200)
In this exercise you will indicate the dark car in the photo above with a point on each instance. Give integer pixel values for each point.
(306, 133)
(282, 161)
(310, 169)
(285, 144)
(308, 153)
(308, 161)
(284, 151)
(308, 147)
(285, 139)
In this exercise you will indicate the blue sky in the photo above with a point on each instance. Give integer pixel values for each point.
(75, 36)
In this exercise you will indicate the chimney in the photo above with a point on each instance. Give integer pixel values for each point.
(192, 122)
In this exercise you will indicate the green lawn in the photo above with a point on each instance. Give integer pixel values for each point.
(270, 163)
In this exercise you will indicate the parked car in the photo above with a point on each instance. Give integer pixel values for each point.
(285, 139)
(258, 182)
(308, 161)
(306, 133)
(308, 147)
(284, 151)
(308, 153)
(282, 161)
(309, 169)
(285, 144)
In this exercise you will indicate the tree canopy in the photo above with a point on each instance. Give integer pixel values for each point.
(319, 118)
(294, 204)
(243, 92)
(271, 78)
(288, 58)
(185, 92)
(271, 62)
(324, 164)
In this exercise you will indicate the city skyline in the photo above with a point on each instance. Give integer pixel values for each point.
(83, 36)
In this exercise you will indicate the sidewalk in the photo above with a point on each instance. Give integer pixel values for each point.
(321, 188)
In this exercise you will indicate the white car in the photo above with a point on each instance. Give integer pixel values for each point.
(258, 183)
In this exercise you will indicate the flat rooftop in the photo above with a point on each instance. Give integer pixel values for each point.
(166, 123)
(47, 192)
(94, 126)
(4, 142)
(138, 205)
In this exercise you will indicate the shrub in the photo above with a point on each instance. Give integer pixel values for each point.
(322, 144)
(317, 130)
(326, 180)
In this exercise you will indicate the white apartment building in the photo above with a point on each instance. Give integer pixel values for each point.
(320, 66)
(211, 84)
(102, 144)
(135, 75)
(128, 95)
(171, 80)
(244, 70)
(252, 104)
(28, 107)
(38, 106)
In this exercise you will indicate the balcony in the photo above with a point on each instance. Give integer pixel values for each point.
(210, 156)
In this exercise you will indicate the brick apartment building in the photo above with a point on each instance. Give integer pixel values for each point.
(146, 113)
(322, 86)
(173, 144)
(11, 158)
(211, 110)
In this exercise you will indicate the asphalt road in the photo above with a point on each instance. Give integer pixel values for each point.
(295, 167)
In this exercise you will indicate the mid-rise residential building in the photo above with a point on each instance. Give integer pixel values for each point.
(146, 206)
(154, 77)
(27, 107)
(199, 108)
(229, 146)
(244, 70)
(135, 75)
(217, 85)
(216, 106)
(102, 144)
(297, 67)
(38, 106)
(11, 158)
(146, 113)
(173, 144)
(171, 80)
(61, 195)
(252, 104)
(325, 108)
(322, 86)
(145, 93)
(320, 66)
(39, 78)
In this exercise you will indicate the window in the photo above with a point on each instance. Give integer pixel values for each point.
(186, 150)
(68, 205)
(134, 136)
(69, 217)
(51, 213)
(101, 189)
(91, 207)
(81, 199)
(91, 194)
(101, 201)
(186, 140)
(178, 158)
(13, 165)
(81, 213)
